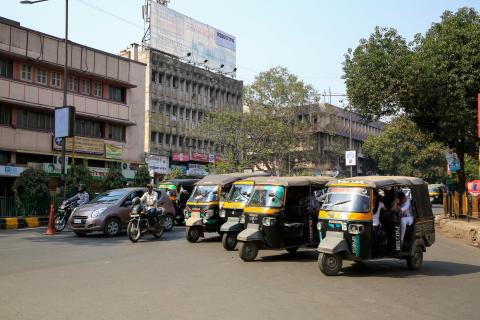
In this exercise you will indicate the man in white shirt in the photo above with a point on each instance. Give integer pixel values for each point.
(150, 198)
(405, 212)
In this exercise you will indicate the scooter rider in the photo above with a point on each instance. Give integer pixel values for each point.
(150, 198)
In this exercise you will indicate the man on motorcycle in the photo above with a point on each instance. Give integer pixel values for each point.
(81, 198)
(150, 198)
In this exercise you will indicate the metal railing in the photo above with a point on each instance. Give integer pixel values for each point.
(461, 205)
(9, 207)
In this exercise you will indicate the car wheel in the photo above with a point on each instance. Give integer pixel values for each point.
(248, 251)
(112, 228)
(414, 262)
(329, 264)
(229, 241)
(193, 234)
(169, 222)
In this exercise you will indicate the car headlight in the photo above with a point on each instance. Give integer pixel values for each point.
(242, 219)
(319, 225)
(98, 212)
(267, 221)
(223, 213)
(73, 211)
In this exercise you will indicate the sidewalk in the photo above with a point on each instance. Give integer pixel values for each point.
(460, 228)
(23, 222)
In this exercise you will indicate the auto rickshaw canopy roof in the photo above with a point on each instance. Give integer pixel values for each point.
(293, 181)
(383, 181)
(180, 182)
(223, 179)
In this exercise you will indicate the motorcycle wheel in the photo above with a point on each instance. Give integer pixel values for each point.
(133, 231)
(60, 222)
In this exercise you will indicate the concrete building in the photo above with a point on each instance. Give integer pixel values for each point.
(178, 96)
(108, 92)
(331, 128)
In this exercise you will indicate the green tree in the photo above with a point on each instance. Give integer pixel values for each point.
(114, 179)
(403, 149)
(434, 80)
(77, 174)
(31, 191)
(174, 173)
(142, 176)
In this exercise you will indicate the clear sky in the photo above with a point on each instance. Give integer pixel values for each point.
(309, 37)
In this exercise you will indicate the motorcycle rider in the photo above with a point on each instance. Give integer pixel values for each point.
(150, 198)
(82, 196)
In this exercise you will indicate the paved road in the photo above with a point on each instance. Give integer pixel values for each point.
(64, 277)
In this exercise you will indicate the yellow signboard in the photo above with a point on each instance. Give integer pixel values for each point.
(83, 145)
(113, 152)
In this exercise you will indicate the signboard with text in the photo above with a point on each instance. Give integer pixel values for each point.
(350, 158)
(181, 156)
(113, 152)
(82, 145)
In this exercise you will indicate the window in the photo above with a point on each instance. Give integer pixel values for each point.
(167, 139)
(73, 83)
(182, 111)
(187, 86)
(117, 94)
(167, 109)
(174, 140)
(153, 137)
(86, 87)
(175, 82)
(160, 137)
(154, 76)
(187, 114)
(26, 73)
(56, 78)
(200, 116)
(5, 114)
(6, 68)
(98, 89)
(167, 83)
(88, 128)
(180, 141)
(42, 76)
(34, 120)
(160, 78)
(116, 133)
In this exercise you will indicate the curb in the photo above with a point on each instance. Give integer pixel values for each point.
(460, 229)
(11, 223)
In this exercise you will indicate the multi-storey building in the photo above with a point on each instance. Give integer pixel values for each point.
(108, 92)
(178, 96)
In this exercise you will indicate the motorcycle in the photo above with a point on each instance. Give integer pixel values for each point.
(139, 224)
(64, 211)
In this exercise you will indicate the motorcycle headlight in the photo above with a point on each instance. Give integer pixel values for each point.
(267, 221)
(319, 226)
(98, 212)
(223, 213)
(242, 219)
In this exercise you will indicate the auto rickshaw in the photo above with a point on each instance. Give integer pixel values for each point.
(346, 222)
(202, 209)
(435, 191)
(178, 191)
(231, 210)
(281, 214)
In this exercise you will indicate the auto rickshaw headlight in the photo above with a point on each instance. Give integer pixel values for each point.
(267, 221)
(209, 213)
(355, 228)
(319, 226)
(223, 214)
(242, 219)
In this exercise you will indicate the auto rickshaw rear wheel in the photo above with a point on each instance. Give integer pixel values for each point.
(248, 251)
(229, 241)
(329, 264)
(193, 234)
(414, 262)
(292, 250)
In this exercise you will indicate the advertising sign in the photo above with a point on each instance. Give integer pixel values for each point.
(157, 164)
(11, 171)
(98, 173)
(351, 158)
(113, 151)
(177, 34)
(200, 157)
(452, 161)
(64, 121)
(181, 156)
(83, 145)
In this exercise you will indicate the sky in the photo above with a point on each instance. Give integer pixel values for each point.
(309, 37)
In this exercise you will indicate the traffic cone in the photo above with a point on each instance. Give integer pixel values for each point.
(50, 229)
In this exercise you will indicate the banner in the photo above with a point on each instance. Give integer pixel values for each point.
(351, 158)
(157, 164)
(82, 145)
(11, 171)
(452, 161)
(180, 156)
(113, 152)
(199, 157)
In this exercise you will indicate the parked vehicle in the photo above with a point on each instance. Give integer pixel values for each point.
(346, 222)
(202, 210)
(281, 214)
(178, 191)
(435, 192)
(64, 211)
(139, 224)
(110, 212)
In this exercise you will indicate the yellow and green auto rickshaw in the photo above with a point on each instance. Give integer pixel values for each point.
(353, 226)
(281, 214)
(202, 213)
(435, 191)
(178, 191)
(231, 210)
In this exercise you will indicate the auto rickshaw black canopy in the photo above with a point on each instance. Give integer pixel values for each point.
(293, 181)
(180, 182)
(224, 179)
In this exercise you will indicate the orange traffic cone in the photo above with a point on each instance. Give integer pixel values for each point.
(50, 229)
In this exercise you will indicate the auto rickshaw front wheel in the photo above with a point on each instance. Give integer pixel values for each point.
(414, 262)
(229, 241)
(248, 251)
(193, 234)
(329, 264)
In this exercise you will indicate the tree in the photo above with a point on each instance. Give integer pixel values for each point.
(434, 80)
(174, 173)
(142, 176)
(77, 174)
(31, 191)
(403, 149)
(114, 179)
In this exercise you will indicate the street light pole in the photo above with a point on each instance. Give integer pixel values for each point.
(350, 140)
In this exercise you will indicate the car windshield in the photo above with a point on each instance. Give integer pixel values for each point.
(433, 188)
(240, 193)
(347, 199)
(204, 194)
(267, 196)
(111, 196)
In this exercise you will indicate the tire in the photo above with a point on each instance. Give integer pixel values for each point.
(158, 234)
(329, 264)
(193, 234)
(414, 262)
(133, 231)
(80, 234)
(292, 250)
(112, 228)
(60, 222)
(248, 251)
(229, 241)
(169, 222)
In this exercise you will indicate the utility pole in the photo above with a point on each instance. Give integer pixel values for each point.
(350, 138)
(65, 84)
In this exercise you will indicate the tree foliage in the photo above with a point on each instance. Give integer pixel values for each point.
(31, 191)
(114, 179)
(77, 174)
(434, 80)
(142, 176)
(402, 149)
(174, 173)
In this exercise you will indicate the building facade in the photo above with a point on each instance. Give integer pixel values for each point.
(107, 91)
(330, 126)
(178, 96)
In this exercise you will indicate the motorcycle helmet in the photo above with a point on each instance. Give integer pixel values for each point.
(81, 187)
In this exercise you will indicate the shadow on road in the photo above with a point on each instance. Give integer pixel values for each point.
(299, 256)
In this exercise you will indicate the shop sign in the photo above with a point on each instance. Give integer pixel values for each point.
(157, 164)
(53, 169)
(11, 171)
(82, 145)
(181, 156)
(113, 151)
(98, 173)
(200, 157)
(211, 158)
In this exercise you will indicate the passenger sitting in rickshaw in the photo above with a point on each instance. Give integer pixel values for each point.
(404, 209)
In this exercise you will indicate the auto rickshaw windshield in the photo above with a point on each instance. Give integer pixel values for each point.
(240, 193)
(267, 196)
(204, 194)
(347, 199)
